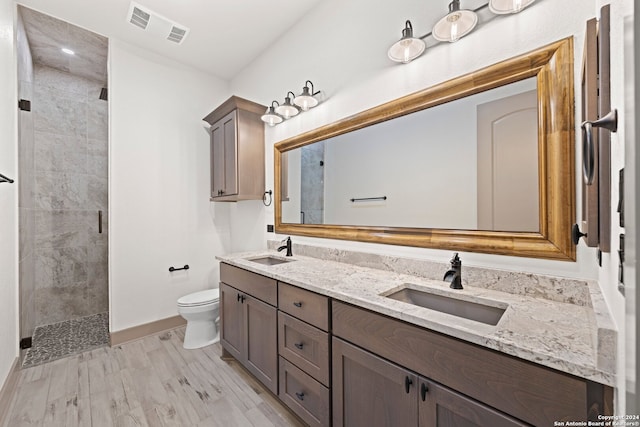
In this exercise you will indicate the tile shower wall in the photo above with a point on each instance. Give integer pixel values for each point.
(312, 181)
(25, 182)
(70, 187)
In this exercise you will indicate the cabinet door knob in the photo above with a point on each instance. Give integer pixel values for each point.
(424, 389)
(297, 304)
(300, 395)
(407, 383)
(299, 345)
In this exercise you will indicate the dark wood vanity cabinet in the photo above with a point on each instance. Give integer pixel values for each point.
(237, 150)
(369, 390)
(466, 384)
(336, 364)
(249, 322)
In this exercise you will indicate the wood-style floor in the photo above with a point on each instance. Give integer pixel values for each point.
(149, 382)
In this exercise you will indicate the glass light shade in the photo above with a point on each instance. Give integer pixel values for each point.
(455, 25)
(287, 110)
(305, 100)
(271, 118)
(503, 7)
(406, 49)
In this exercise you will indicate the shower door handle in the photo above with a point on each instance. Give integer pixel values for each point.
(100, 222)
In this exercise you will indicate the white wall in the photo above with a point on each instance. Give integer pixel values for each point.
(8, 192)
(160, 214)
(349, 62)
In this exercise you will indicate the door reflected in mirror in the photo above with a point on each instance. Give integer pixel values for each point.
(469, 164)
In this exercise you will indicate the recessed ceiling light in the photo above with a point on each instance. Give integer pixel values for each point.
(68, 51)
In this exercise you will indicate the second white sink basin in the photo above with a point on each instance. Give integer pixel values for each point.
(478, 312)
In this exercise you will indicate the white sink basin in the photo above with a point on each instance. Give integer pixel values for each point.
(270, 260)
(478, 312)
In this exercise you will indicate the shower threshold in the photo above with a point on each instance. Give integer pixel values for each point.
(62, 339)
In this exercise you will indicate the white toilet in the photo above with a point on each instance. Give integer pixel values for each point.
(201, 310)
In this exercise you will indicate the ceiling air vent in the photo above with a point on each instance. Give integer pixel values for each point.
(177, 34)
(155, 24)
(139, 18)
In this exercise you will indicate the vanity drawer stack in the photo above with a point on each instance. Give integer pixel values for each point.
(304, 353)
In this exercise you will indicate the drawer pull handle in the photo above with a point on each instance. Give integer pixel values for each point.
(297, 304)
(300, 395)
(424, 389)
(299, 345)
(407, 383)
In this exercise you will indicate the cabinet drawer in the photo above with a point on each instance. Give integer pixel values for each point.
(522, 389)
(305, 346)
(305, 305)
(305, 396)
(261, 287)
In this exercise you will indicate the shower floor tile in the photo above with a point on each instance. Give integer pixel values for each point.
(58, 340)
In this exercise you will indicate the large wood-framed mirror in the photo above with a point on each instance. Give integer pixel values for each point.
(497, 188)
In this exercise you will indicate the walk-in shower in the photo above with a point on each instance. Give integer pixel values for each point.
(63, 182)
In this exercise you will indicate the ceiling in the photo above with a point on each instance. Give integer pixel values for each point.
(224, 37)
(47, 36)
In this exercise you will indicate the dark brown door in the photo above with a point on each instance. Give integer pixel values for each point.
(232, 323)
(368, 391)
(262, 341)
(443, 407)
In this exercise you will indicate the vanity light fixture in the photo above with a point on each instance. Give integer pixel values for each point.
(270, 117)
(292, 105)
(287, 110)
(408, 47)
(456, 24)
(307, 99)
(451, 28)
(503, 7)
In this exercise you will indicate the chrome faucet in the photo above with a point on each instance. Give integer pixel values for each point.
(287, 246)
(454, 275)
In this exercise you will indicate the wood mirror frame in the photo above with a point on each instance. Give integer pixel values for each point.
(552, 66)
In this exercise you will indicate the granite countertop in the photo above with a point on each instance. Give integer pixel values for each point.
(555, 334)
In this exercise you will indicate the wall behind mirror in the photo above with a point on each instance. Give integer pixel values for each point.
(468, 164)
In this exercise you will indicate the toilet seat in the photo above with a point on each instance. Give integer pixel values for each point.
(199, 298)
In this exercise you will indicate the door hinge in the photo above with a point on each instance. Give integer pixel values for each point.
(25, 343)
(24, 105)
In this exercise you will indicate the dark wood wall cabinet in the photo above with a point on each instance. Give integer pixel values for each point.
(237, 151)
(336, 364)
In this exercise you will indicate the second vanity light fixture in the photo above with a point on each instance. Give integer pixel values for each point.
(292, 106)
(453, 26)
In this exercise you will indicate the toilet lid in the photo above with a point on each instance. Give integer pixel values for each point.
(200, 298)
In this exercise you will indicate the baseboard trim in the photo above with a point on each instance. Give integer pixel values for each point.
(141, 331)
(8, 390)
